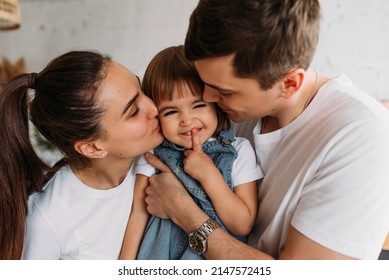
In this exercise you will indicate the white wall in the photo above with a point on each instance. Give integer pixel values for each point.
(354, 35)
(131, 31)
(355, 40)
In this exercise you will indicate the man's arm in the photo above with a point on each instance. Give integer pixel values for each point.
(167, 198)
(299, 247)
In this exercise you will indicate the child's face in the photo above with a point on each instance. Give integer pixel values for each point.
(179, 116)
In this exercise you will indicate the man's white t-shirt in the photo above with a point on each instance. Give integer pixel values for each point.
(70, 220)
(326, 174)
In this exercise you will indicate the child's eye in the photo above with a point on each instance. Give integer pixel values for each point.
(168, 113)
(201, 105)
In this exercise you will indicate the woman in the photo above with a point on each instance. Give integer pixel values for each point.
(93, 110)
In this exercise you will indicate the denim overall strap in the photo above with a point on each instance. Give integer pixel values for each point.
(222, 153)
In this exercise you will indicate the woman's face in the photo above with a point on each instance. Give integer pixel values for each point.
(130, 124)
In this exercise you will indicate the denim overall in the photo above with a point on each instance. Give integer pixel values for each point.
(163, 239)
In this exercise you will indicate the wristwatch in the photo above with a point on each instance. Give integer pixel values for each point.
(198, 238)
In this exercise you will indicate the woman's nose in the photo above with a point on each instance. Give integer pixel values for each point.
(152, 111)
(211, 95)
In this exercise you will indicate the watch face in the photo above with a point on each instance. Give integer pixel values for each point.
(197, 244)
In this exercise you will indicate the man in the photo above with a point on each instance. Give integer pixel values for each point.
(321, 143)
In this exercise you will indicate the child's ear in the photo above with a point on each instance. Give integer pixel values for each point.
(292, 82)
(89, 149)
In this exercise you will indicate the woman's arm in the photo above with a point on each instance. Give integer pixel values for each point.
(137, 221)
(41, 243)
(385, 103)
(386, 243)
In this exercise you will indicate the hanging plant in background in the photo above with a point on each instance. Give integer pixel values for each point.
(39, 141)
(9, 70)
(46, 151)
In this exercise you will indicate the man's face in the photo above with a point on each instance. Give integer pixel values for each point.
(241, 98)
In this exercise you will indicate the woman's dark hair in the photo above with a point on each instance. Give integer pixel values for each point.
(168, 71)
(267, 37)
(64, 110)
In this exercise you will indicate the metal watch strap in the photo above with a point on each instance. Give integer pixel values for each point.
(207, 228)
(199, 238)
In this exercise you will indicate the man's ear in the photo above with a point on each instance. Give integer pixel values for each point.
(89, 149)
(292, 82)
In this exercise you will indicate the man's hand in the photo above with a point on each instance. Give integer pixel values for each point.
(197, 163)
(164, 190)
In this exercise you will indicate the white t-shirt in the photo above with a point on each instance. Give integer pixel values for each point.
(326, 174)
(70, 220)
(244, 168)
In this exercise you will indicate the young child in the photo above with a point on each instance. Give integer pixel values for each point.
(203, 153)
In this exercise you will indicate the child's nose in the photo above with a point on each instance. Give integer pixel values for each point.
(186, 120)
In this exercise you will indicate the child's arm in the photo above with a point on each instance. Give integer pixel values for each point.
(236, 209)
(137, 221)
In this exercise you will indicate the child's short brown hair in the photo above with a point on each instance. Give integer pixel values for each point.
(169, 70)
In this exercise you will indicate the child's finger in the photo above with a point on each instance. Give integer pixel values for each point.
(196, 146)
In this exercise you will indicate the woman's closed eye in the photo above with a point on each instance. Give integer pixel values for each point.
(133, 112)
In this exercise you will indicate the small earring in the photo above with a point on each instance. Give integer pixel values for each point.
(103, 155)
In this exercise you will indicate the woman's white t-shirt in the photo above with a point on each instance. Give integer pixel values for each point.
(70, 220)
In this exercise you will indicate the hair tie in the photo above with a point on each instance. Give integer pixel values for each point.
(31, 80)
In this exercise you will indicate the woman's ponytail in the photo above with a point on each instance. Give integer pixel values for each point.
(21, 170)
(64, 110)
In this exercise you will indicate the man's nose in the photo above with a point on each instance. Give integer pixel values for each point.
(211, 95)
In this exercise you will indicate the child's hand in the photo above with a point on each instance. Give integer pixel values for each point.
(197, 163)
